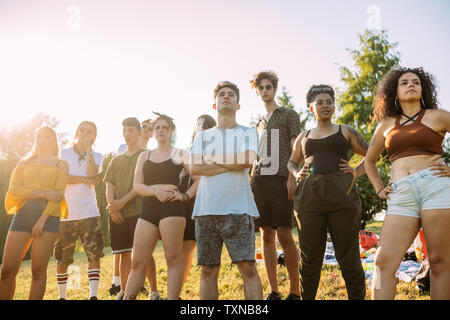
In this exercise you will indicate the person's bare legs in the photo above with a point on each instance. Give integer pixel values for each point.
(16, 246)
(397, 234)
(290, 257)
(145, 238)
(188, 249)
(172, 230)
(150, 271)
(41, 252)
(125, 267)
(252, 282)
(270, 256)
(436, 227)
(208, 283)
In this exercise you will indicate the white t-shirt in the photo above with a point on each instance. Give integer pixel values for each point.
(81, 198)
(229, 192)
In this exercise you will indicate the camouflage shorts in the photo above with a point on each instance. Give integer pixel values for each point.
(89, 231)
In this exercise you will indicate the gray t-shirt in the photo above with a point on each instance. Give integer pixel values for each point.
(229, 192)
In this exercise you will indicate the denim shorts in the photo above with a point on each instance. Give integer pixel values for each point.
(419, 191)
(27, 216)
(237, 231)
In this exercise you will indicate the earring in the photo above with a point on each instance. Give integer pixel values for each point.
(396, 106)
(423, 103)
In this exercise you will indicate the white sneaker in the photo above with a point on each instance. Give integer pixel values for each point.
(120, 295)
(154, 295)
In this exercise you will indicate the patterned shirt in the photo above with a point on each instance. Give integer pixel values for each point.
(275, 141)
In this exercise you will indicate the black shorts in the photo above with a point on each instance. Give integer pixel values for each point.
(121, 235)
(154, 211)
(271, 197)
(189, 231)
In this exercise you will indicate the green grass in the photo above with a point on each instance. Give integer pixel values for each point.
(332, 286)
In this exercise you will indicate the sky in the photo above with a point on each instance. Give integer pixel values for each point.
(106, 60)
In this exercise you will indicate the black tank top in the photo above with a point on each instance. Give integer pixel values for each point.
(325, 154)
(165, 172)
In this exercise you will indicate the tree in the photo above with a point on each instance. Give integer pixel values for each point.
(374, 57)
(285, 101)
(16, 142)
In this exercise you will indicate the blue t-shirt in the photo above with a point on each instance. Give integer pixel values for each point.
(228, 192)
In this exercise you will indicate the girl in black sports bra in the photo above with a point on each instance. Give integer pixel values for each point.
(326, 197)
(163, 214)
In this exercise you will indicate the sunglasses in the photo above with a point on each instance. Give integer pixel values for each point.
(326, 89)
(267, 87)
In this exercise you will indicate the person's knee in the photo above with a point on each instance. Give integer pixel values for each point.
(384, 262)
(268, 235)
(439, 264)
(285, 237)
(8, 272)
(173, 258)
(39, 273)
(209, 271)
(248, 269)
(138, 263)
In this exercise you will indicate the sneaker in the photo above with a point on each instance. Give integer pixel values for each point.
(93, 298)
(61, 299)
(154, 295)
(273, 296)
(114, 290)
(120, 295)
(292, 296)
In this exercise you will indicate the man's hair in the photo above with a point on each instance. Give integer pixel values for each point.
(132, 122)
(149, 121)
(269, 75)
(226, 84)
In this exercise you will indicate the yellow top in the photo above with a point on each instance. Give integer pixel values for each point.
(29, 177)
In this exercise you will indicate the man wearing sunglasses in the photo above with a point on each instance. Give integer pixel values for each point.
(273, 186)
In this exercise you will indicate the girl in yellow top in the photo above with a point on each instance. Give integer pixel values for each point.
(35, 196)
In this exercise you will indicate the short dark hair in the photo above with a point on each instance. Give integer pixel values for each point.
(226, 84)
(312, 93)
(132, 122)
(269, 75)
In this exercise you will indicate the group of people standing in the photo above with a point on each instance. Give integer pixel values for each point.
(232, 180)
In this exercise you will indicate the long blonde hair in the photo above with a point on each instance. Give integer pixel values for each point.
(33, 153)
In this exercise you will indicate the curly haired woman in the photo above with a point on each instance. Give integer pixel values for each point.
(412, 130)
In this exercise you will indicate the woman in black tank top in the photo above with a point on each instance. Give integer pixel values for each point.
(326, 197)
(163, 210)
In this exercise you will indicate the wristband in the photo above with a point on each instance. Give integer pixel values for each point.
(378, 193)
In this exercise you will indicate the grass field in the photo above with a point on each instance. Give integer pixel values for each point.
(332, 286)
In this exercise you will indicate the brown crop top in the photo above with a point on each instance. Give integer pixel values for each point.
(411, 140)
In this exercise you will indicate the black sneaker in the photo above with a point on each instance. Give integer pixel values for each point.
(273, 296)
(292, 296)
(114, 290)
(93, 298)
